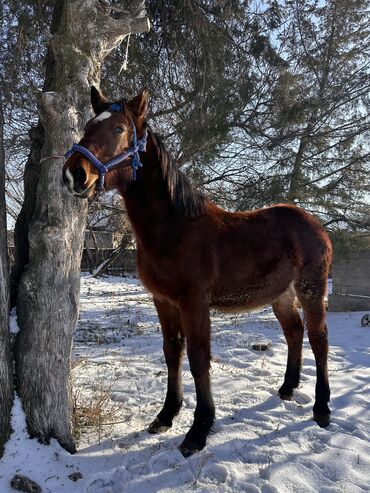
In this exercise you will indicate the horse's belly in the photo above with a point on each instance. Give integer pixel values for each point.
(249, 295)
(239, 303)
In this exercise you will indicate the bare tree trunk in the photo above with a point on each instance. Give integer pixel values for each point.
(48, 295)
(30, 177)
(295, 181)
(6, 380)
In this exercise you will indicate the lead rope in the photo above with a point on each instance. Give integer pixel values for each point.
(51, 157)
(124, 64)
(135, 163)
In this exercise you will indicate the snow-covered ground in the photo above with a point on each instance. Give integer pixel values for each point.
(260, 443)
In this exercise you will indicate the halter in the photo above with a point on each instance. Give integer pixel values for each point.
(138, 145)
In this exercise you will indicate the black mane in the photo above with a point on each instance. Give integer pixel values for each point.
(187, 200)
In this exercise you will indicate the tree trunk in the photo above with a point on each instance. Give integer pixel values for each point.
(49, 270)
(6, 380)
(30, 177)
(295, 186)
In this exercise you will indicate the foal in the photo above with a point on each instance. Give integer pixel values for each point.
(193, 255)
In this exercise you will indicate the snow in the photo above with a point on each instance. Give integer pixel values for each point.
(13, 324)
(259, 444)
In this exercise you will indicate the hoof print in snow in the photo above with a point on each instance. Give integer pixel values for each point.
(261, 346)
(100, 486)
(215, 473)
(22, 483)
(75, 476)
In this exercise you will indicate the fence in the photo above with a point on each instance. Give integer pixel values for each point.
(351, 283)
(125, 264)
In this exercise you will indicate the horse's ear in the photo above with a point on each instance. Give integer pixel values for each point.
(139, 104)
(98, 101)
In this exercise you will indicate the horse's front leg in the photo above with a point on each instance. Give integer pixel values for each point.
(194, 312)
(173, 347)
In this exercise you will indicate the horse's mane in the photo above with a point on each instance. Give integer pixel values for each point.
(188, 201)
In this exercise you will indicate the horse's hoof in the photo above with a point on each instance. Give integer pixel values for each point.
(286, 392)
(323, 420)
(285, 397)
(188, 448)
(158, 426)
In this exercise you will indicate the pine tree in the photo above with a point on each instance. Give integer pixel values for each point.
(312, 135)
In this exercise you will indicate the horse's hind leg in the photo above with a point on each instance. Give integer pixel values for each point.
(286, 312)
(173, 347)
(311, 289)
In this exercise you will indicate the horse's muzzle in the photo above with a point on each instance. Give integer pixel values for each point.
(76, 183)
(68, 180)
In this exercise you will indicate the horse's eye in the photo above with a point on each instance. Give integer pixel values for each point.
(119, 130)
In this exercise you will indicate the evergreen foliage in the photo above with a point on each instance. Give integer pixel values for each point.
(259, 102)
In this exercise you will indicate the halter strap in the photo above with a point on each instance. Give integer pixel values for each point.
(139, 145)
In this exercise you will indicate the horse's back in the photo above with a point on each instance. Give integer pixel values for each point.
(275, 231)
(261, 253)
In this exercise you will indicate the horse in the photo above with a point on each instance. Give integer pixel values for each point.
(193, 255)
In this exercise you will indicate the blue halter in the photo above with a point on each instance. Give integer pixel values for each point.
(138, 145)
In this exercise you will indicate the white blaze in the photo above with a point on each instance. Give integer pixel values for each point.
(70, 180)
(102, 116)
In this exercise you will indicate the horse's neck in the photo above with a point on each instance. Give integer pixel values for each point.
(148, 203)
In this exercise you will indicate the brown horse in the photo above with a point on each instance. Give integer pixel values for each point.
(193, 255)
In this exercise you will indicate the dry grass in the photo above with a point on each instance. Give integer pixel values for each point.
(95, 411)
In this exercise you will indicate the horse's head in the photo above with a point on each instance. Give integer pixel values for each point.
(115, 132)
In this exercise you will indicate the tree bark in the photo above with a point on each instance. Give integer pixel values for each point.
(295, 185)
(6, 380)
(49, 267)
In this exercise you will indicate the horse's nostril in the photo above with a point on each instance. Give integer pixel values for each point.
(80, 176)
